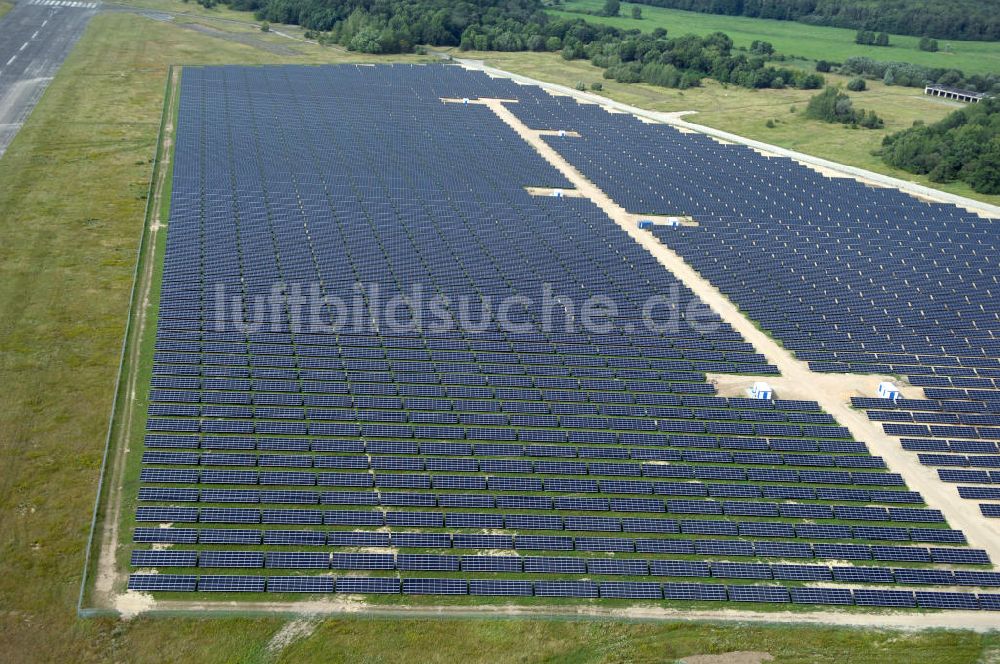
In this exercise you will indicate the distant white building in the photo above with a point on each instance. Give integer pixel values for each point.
(760, 390)
(957, 94)
(887, 390)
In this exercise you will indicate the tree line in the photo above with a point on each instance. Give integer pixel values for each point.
(397, 26)
(955, 19)
(964, 146)
(684, 61)
(627, 56)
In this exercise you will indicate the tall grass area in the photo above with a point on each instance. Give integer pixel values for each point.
(813, 42)
(747, 112)
(72, 194)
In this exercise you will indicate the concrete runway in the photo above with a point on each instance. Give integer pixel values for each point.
(35, 38)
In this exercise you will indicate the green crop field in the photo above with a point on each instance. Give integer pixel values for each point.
(796, 39)
(75, 183)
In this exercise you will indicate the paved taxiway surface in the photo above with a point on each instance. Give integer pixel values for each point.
(35, 38)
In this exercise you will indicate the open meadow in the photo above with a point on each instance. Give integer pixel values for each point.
(813, 42)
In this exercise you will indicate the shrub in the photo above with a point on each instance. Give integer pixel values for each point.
(865, 37)
(832, 105)
(856, 84)
(928, 44)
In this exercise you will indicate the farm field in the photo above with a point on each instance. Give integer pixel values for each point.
(67, 250)
(790, 38)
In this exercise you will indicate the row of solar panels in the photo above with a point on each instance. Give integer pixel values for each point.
(713, 547)
(473, 465)
(555, 374)
(175, 353)
(508, 449)
(580, 342)
(955, 420)
(405, 431)
(960, 460)
(575, 589)
(516, 484)
(390, 498)
(541, 522)
(446, 426)
(361, 357)
(645, 406)
(146, 558)
(492, 483)
(523, 413)
(957, 446)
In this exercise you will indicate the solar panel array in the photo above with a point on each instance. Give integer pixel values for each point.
(374, 459)
(850, 277)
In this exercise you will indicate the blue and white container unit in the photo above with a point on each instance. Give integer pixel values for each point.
(887, 390)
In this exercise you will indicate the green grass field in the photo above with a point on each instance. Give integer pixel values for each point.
(796, 39)
(71, 212)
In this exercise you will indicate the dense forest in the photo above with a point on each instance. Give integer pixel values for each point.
(953, 19)
(963, 146)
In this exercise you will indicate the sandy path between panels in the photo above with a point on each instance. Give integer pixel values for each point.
(797, 381)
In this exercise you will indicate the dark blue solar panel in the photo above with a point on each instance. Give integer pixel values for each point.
(762, 594)
(162, 582)
(835, 596)
(385, 585)
(435, 586)
(566, 589)
(695, 592)
(166, 558)
(500, 587)
(890, 598)
(300, 584)
(233, 583)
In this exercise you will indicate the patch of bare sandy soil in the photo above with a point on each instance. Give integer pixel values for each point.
(131, 603)
(290, 632)
(735, 657)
